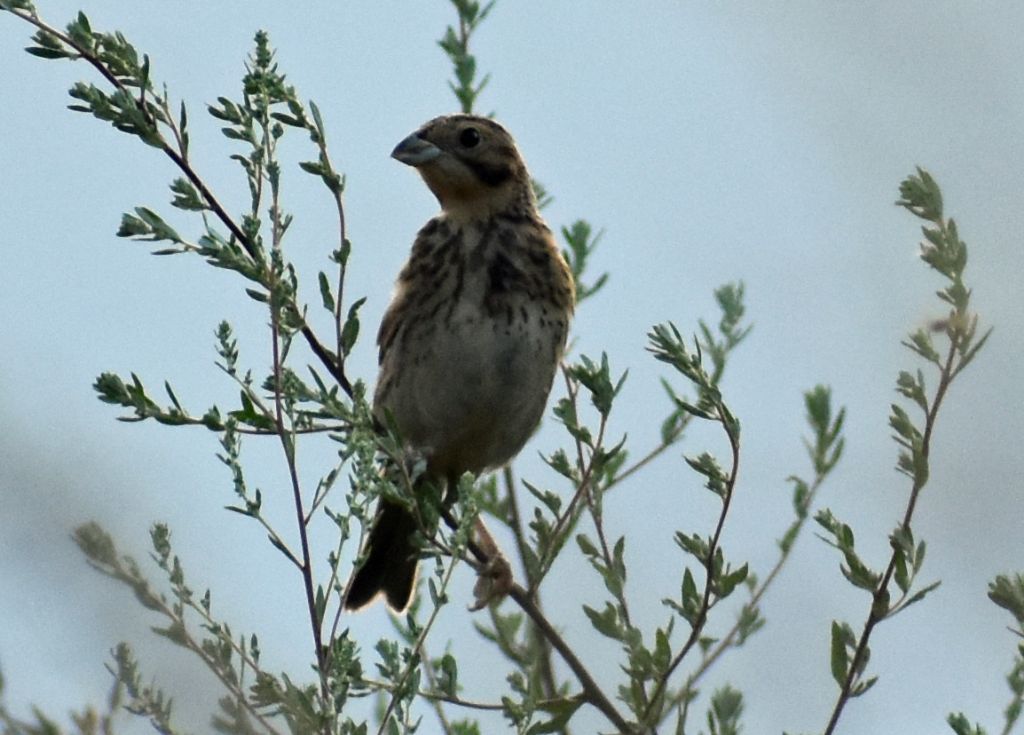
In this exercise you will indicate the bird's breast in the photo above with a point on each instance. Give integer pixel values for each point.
(467, 374)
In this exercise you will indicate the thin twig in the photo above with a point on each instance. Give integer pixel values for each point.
(132, 577)
(342, 266)
(684, 421)
(1015, 704)
(592, 692)
(565, 522)
(448, 698)
(651, 455)
(515, 522)
(727, 641)
(515, 519)
(284, 429)
(879, 603)
(709, 562)
(288, 445)
(596, 513)
(436, 702)
(417, 650)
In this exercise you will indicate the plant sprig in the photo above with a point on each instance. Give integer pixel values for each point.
(720, 577)
(134, 106)
(944, 252)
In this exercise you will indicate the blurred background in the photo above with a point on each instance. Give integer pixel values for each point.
(711, 142)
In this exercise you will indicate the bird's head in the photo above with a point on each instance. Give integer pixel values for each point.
(470, 163)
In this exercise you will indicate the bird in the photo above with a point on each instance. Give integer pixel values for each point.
(473, 336)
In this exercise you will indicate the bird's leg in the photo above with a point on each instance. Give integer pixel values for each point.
(494, 577)
(494, 573)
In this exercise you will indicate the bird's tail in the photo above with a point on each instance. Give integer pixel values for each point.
(391, 564)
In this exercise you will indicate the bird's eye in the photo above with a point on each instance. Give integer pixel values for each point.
(469, 137)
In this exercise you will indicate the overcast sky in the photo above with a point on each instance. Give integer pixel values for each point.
(712, 142)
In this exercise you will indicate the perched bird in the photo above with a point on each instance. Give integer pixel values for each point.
(475, 331)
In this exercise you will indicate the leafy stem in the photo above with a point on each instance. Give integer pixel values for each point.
(719, 347)
(398, 692)
(710, 561)
(944, 251)
(524, 599)
(455, 44)
(585, 467)
(117, 62)
(592, 691)
(824, 450)
(515, 522)
(287, 439)
(880, 602)
(216, 652)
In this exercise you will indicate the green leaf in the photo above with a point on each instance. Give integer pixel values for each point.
(597, 380)
(707, 465)
(350, 331)
(1007, 591)
(726, 708)
(862, 686)
(842, 639)
(448, 681)
(288, 120)
(325, 292)
(186, 196)
(921, 343)
(919, 595)
(49, 46)
(320, 604)
(903, 426)
(559, 462)
(587, 546)
(969, 354)
(801, 496)
(49, 53)
(183, 128)
(693, 544)
(859, 574)
(728, 582)
(561, 710)
(147, 225)
(913, 388)
(606, 622)
(551, 500)
(785, 543)
(279, 545)
(921, 196)
(693, 410)
(690, 597)
(962, 726)
(900, 570)
(317, 120)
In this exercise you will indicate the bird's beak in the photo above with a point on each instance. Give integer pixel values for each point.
(415, 151)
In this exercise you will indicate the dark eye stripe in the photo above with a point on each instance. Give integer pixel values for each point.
(493, 175)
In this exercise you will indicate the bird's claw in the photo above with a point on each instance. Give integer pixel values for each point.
(493, 583)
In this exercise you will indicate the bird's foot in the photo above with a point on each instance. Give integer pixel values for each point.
(494, 577)
(493, 582)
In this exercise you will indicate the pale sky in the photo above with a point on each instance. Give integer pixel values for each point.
(712, 142)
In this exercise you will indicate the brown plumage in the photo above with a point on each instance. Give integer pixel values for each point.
(474, 333)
